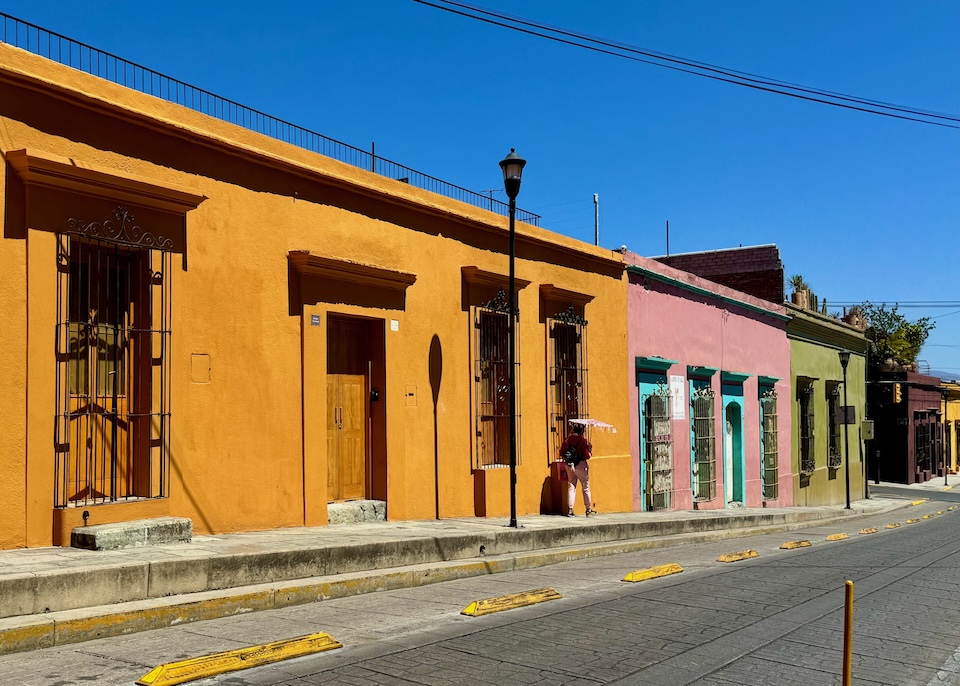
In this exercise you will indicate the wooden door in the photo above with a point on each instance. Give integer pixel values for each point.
(347, 410)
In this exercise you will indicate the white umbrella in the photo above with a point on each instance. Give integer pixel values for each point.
(596, 424)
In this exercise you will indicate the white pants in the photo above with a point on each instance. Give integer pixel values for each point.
(579, 473)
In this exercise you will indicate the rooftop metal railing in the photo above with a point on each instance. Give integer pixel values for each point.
(71, 53)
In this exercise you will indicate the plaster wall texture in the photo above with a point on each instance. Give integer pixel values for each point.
(683, 317)
(248, 445)
(814, 357)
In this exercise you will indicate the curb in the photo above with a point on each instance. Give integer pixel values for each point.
(30, 632)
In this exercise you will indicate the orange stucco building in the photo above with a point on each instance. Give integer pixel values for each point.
(206, 322)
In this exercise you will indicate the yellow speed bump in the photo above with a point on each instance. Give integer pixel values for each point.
(233, 660)
(912, 521)
(871, 530)
(510, 602)
(837, 537)
(653, 572)
(895, 525)
(791, 545)
(919, 502)
(951, 508)
(948, 488)
(736, 557)
(941, 511)
(928, 516)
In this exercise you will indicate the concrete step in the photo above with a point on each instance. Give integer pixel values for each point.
(140, 532)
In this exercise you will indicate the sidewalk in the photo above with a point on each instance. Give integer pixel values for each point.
(56, 596)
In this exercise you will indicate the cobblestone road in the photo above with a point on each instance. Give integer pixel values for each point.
(776, 619)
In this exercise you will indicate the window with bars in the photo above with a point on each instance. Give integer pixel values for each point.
(492, 383)
(703, 429)
(769, 446)
(834, 458)
(567, 350)
(112, 427)
(658, 449)
(808, 463)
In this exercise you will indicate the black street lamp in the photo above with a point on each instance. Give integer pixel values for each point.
(945, 392)
(844, 360)
(512, 166)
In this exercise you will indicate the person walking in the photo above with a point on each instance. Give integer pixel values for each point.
(576, 452)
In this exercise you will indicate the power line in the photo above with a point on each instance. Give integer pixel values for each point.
(703, 69)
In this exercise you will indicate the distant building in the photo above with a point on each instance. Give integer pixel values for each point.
(820, 439)
(710, 399)
(906, 407)
(756, 270)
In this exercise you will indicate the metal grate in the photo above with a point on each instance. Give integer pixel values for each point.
(492, 384)
(834, 457)
(704, 444)
(104, 65)
(808, 463)
(568, 392)
(769, 445)
(112, 427)
(658, 448)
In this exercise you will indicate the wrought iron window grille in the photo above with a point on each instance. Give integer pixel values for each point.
(568, 378)
(113, 332)
(770, 450)
(702, 418)
(658, 448)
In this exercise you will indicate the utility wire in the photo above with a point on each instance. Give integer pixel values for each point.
(713, 72)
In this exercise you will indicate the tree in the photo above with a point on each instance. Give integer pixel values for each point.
(892, 336)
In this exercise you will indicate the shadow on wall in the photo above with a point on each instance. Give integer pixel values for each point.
(436, 375)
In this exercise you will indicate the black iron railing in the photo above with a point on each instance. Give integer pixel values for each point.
(71, 53)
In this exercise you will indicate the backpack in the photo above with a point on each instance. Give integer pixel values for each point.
(571, 454)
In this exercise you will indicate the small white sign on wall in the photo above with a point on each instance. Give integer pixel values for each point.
(677, 386)
(394, 325)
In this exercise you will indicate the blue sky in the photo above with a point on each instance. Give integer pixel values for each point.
(864, 207)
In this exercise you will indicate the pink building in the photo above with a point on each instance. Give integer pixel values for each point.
(710, 393)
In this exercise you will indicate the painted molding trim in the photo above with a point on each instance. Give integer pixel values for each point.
(634, 269)
(767, 380)
(480, 277)
(734, 377)
(351, 272)
(701, 372)
(654, 364)
(65, 174)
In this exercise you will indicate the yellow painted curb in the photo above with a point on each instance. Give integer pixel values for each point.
(736, 557)
(893, 526)
(912, 521)
(919, 502)
(791, 545)
(233, 660)
(871, 530)
(837, 537)
(510, 602)
(653, 572)
(947, 488)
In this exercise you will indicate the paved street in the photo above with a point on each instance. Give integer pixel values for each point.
(776, 619)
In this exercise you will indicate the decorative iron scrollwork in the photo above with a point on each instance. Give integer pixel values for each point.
(123, 230)
(834, 461)
(807, 467)
(570, 316)
(500, 304)
(770, 394)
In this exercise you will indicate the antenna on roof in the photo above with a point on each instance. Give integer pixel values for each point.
(668, 238)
